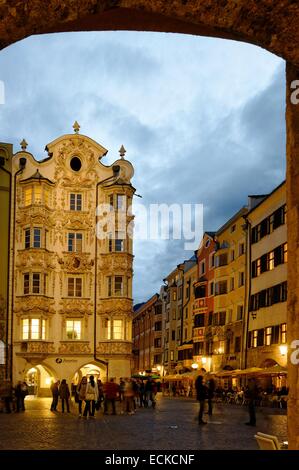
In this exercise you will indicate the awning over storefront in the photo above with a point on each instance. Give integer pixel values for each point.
(277, 369)
(227, 373)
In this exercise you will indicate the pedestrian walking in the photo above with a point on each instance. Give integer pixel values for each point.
(111, 390)
(91, 397)
(64, 393)
(201, 395)
(55, 395)
(251, 393)
(81, 394)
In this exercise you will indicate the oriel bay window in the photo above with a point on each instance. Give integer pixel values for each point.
(32, 237)
(74, 287)
(220, 287)
(74, 329)
(36, 194)
(75, 242)
(35, 283)
(117, 201)
(117, 243)
(33, 328)
(116, 286)
(115, 329)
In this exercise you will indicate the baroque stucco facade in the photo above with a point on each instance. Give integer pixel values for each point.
(71, 286)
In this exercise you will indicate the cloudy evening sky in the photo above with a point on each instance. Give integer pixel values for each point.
(202, 119)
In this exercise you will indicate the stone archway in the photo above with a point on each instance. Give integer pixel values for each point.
(271, 25)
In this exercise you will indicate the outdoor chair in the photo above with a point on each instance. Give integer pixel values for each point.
(276, 445)
(265, 443)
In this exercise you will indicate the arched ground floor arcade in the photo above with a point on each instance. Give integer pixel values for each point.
(40, 373)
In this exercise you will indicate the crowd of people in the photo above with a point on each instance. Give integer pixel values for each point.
(92, 395)
(251, 395)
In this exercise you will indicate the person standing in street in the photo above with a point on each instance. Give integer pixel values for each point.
(201, 395)
(81, 394)
(91, 396)
(64, 393)
(55, 395)
(251, 394)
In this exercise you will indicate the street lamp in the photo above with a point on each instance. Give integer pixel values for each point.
(204, 360)
(194, 365)
(283, 349)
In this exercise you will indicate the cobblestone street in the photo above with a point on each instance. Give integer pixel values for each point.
(171, 426)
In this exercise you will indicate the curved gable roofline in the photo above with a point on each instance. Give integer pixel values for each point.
(99, 147)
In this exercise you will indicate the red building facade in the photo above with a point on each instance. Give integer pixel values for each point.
(203, 305)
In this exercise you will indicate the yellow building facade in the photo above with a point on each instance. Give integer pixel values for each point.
(266, 328)
(226, 330)
(71, 300)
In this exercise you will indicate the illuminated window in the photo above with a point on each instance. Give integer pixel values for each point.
(74, 287)
(117, 329)
(271, 260)
(47, 197)
(258, 267)
(128, 330)
(25, 329)
(174, 295)
(43, 329)
(33, 328)
(37, 194)
(268, 335)
(285, 253)
(254, 338)
(75, 242)
(45, 287)
(283, 332)
(108, 324)
(28, 196)
(73, 329)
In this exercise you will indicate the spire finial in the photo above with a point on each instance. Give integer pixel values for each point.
(23, 144)
(122, 152)
(76, 127)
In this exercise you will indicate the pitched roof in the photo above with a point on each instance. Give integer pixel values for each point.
(37, 176)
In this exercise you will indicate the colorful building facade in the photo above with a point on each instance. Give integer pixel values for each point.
(266, 329)
(71, 303)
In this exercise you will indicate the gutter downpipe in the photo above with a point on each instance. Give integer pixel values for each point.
(7, 375)
(96, 359)
(247, 291)
(22, 163)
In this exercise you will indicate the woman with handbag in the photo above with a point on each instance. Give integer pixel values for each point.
(91, 396)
